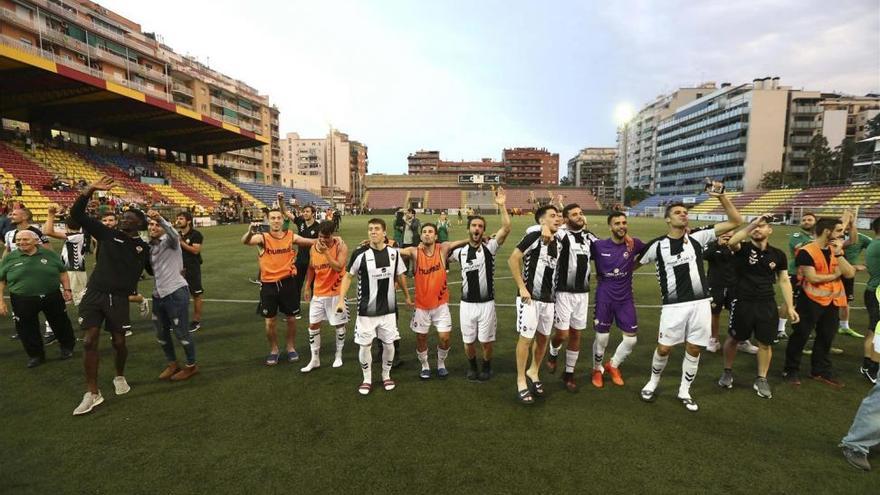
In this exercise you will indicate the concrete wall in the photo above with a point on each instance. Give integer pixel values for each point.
(766, 135)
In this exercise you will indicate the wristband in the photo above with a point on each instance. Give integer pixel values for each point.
(68, 290)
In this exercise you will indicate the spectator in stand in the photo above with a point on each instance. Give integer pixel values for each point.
(18, 187)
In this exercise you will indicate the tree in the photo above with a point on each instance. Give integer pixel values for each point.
(565, 181)
(843, 158)
(771, 180)
(821, 161)
(632, 195)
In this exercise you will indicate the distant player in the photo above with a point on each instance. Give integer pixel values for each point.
(855, 243)
(325, 272)
(432, 298)
(572, 291)
(376, 266)
(73, 253)
(757, 266)
(533, 266)
(615, 260)
(477, 316)
(277, 251)
(686, 313)
(191, 245)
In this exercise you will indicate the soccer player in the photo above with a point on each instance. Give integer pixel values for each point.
(170, 298)
(572, 292)
(870, 364)
(306, 227)
(376, 266)
(821, 264)
(476, 315)
(686, 312)
(722, 288)
(432, 297)
(21, 219)
(191, 244)
(277, 252)
(120, 259)
(73, 254)
(854, 244)
(533, 266)
(615, 260)
(757, 265)
(326, 268)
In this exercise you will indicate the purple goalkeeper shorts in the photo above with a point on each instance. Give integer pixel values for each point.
(621, 312)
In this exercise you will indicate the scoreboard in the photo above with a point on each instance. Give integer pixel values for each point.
(479, 179)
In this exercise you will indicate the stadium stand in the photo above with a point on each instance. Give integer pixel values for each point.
(114, 165)
(13, 166)
(769, 202)
(444, 199)
(226, 186)
(72, 166)
(657, 200)
(386, 199)
(267, 194)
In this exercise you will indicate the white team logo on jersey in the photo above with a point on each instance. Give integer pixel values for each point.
(772, 265)
(44, 261)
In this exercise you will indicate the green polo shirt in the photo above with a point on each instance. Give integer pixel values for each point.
(34, 275)
(796, 240)
(872, 261)
(851, 252)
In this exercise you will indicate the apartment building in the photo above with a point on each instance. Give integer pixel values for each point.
(594, 169)
(333, 165)
(518, 166)
(112, 48)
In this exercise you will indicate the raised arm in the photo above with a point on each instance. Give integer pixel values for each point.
(734, 219)
(252, 237)
(743, 234)
(78, 211)
(173, 239)
(49, 224)
(501, 202)
(846, 269)
(849, 218)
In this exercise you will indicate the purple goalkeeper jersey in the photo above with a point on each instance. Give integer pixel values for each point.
(614, 269)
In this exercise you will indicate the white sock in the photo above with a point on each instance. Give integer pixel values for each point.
(340, 339)
(366, 359)
(423, 358)
(315, 343)
(780, 327)
(554, 350)
(658, 364)
(623, 349)
(571, 358)
(387, 360)
(441, 357)
(688, 373)
(844, 324)
(599, 346)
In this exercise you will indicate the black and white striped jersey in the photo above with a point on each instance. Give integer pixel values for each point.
(539, 265)
(679, 265)
(477, 271)
(73, 254)
(376, 271)
(573, 269)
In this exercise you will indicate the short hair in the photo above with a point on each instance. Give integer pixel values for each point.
(274, 210)
(141, 216)
(72, 224)
(310, 208)
(808, 214)
(540, 212)
(377, 221)
(568, 208)
(411, 210)
(672, 205)
(108, 214)
(326, 227)
(875, 225)
(477, 217)
(27, 213)
(429, 224)
(826, 223)
(187, 215)
(615, 214)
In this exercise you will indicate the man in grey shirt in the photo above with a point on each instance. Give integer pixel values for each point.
(170, 297)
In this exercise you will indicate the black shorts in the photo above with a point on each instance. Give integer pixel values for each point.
(721, 298)
(758, 318)
(873, 308)
(278, 296)
(849, 285)
(100, 308)
(193, 276)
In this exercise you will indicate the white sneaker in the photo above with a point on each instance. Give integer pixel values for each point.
(314, 363)
(89, 402)
(129, 333)
(746, 346)
(121, 385)
(713, 345)
(337, 362)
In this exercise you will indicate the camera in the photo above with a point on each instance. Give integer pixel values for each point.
(713, 186)
(255, 228)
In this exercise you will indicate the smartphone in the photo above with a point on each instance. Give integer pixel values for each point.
(714, 187)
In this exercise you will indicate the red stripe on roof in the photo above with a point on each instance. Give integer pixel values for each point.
(152, 100)
(211, 121)
(81, 76)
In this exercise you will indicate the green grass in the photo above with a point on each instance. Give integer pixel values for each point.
(242, 427)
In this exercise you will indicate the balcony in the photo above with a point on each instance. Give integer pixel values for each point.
(180, 88)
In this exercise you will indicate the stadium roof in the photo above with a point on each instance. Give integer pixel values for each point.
(36, 89)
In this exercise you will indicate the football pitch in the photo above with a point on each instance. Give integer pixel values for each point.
(242, 427)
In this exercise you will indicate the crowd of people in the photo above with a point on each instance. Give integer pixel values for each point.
(301, 257)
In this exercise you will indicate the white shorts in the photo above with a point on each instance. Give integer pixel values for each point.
(686, 322)
(422, 319)
(571, 310)
(536, 317)
(323, 308)
(477, 321)
(367, 328)
(78, 282)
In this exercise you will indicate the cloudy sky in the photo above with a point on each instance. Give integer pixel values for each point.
(469, 78)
